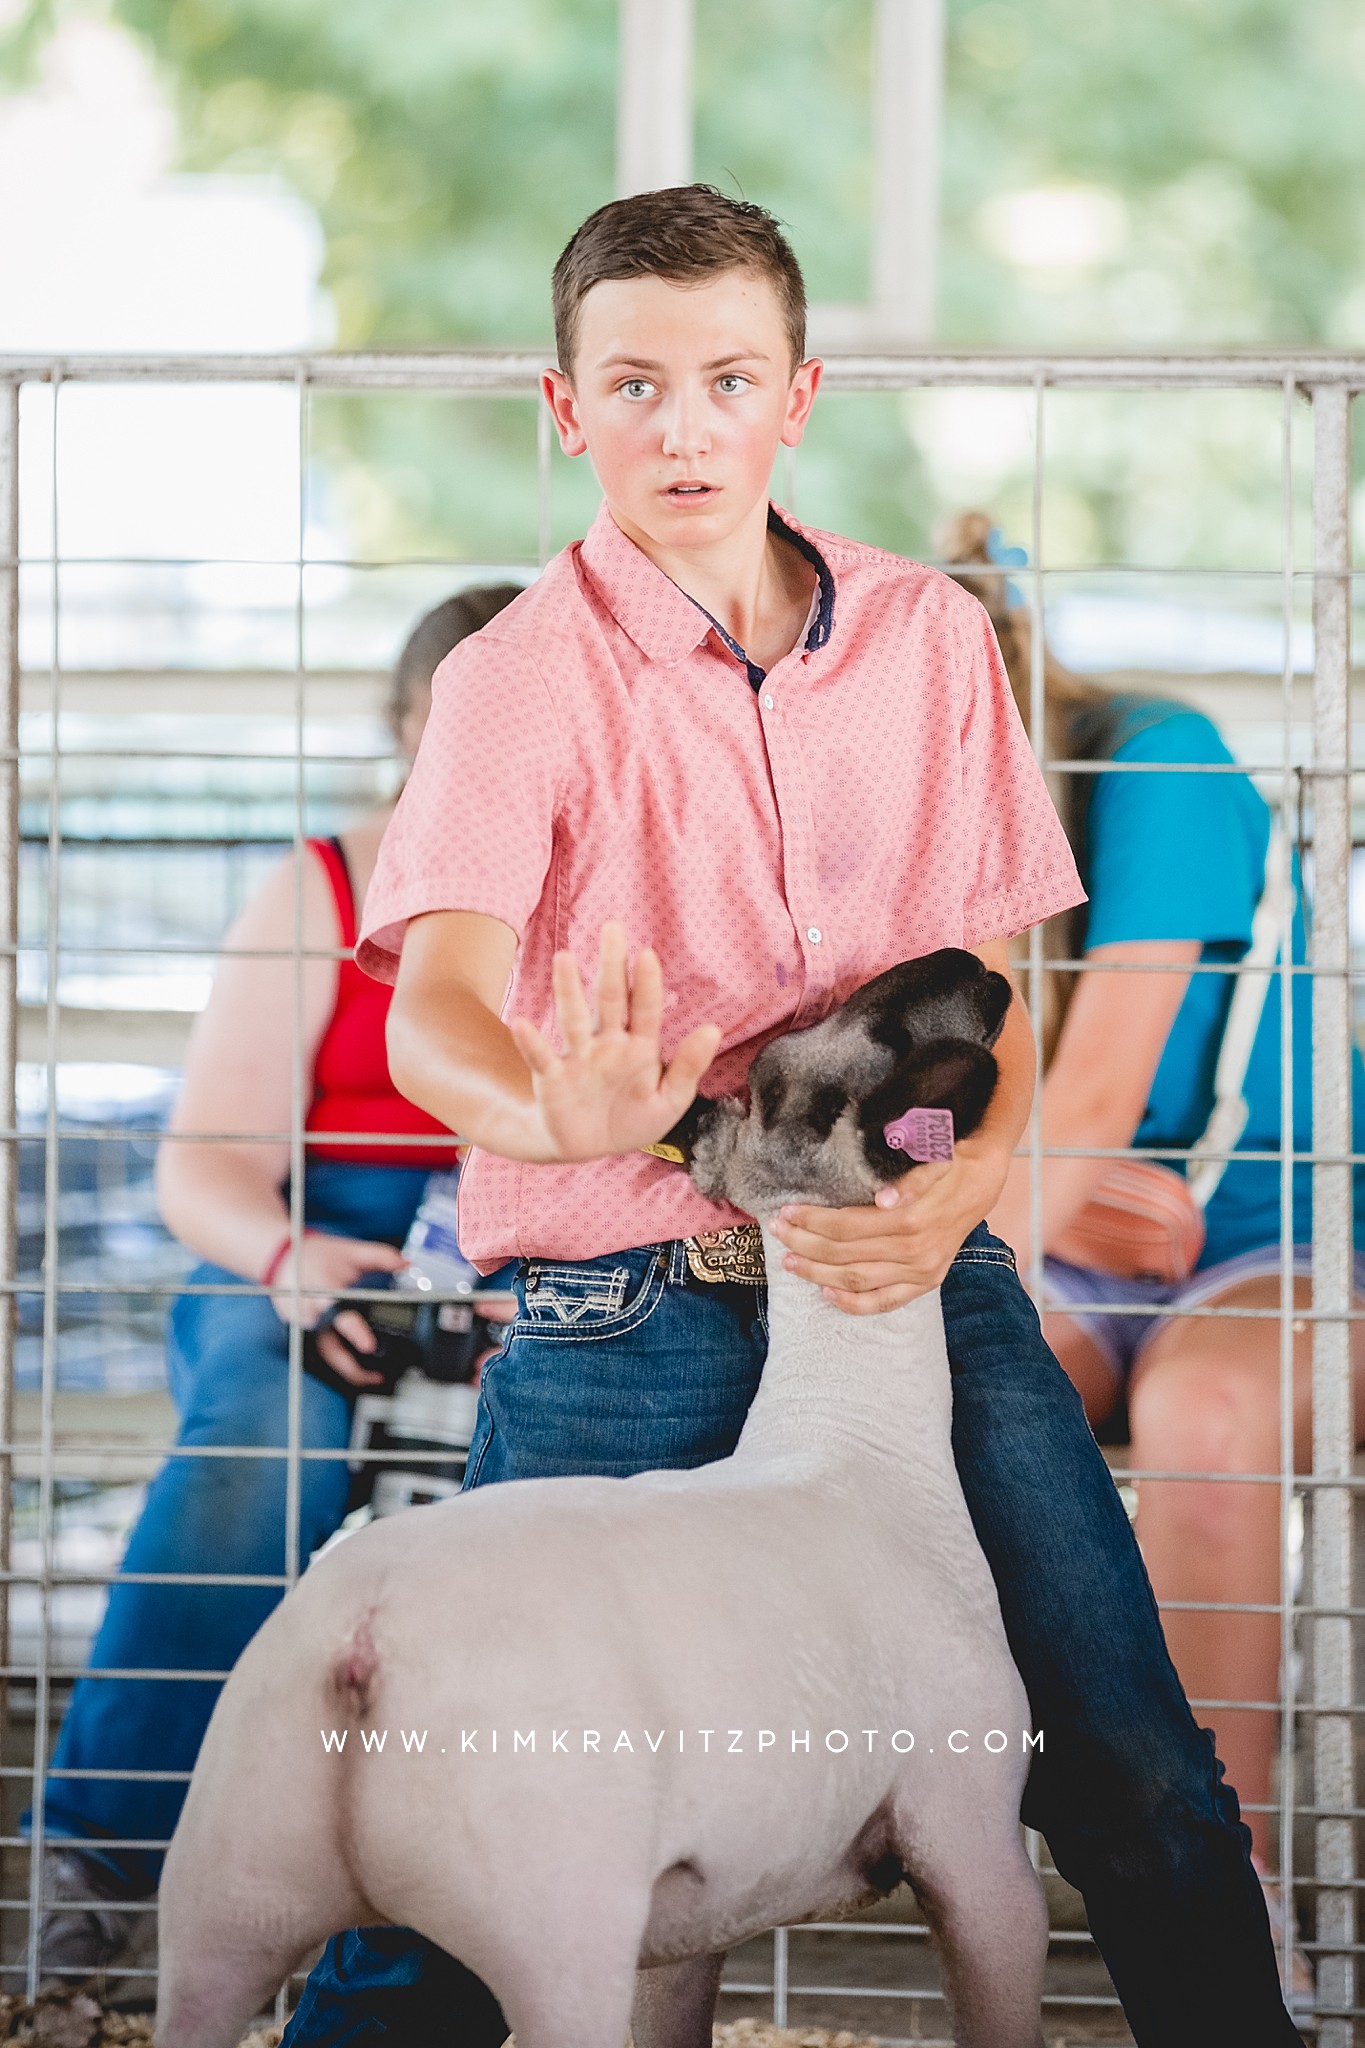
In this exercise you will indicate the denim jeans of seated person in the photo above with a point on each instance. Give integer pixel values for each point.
(625, 1363)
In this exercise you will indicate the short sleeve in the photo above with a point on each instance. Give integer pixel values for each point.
(474, 825)
(1017, 861)
(1174, 856)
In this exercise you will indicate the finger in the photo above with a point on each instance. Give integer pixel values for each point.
(304, 1311)
(867, 1278)
(681, 1078)
(898, 1248)
(612, 998)
(913, 1186)
(374, 1258)
(498, 1311)
(834, 1225)
(335, 1354)
(873, 1304)
(535, 1048)
(571, 1005)
(351, 1325)
(647, 997)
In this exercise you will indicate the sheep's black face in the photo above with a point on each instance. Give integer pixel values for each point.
(917, 1036)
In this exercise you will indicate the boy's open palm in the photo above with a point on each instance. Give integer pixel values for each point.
(608, 1091)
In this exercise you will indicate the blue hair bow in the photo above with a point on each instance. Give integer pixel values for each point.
(1007, 558)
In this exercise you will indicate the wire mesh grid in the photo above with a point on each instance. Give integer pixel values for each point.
(1312, 794)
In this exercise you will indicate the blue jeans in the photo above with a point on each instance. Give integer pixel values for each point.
(227, 1359)
(658, 1370)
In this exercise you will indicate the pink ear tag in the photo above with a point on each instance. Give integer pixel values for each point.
(925, 1135)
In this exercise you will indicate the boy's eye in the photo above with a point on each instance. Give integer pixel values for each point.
(731, 382)
(636, 387)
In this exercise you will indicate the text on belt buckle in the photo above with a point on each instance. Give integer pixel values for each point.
(735, 1253)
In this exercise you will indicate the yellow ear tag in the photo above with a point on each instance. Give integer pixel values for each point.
(668, 1152)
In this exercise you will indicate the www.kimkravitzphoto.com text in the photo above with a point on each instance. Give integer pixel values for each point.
(707, 1741)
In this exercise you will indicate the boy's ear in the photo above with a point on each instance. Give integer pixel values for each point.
(800, 398)
(950, 1073)
(558, 393)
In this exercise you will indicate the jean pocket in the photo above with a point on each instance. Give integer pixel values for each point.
(597, 1298)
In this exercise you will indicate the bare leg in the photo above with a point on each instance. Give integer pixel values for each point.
(1205, 1397)
(1085, 1365)
(675, 2005)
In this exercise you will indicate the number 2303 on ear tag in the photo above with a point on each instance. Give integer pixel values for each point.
(924, 1135)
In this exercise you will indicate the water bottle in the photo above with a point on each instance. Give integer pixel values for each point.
(436, 1265)
(436, 1289)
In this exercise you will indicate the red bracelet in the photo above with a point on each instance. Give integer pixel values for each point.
(280, 1254)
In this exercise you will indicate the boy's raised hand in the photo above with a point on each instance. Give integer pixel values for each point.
(608, 1091)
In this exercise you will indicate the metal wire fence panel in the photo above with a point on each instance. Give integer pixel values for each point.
(131, 839)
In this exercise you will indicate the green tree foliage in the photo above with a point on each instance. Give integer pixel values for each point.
(1216, 151)
(1234, 133)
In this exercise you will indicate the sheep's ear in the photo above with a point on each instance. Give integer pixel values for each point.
(996, 997)
(678, 1145)
(947, 994)
(949, 1073)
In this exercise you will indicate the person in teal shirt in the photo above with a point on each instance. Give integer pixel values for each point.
(1183, 857)
(1174, 865)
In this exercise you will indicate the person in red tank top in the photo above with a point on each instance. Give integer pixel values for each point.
(367, 1155)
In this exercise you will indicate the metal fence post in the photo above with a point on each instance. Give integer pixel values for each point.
(1333, 1435)
(9, 933)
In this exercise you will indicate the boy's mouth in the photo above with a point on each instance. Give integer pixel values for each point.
(689, 493)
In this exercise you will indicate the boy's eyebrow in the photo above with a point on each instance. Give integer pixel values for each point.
(740, 355)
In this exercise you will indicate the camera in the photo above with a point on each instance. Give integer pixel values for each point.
(429, 1353)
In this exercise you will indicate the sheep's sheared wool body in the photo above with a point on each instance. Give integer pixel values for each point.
(823, 1581)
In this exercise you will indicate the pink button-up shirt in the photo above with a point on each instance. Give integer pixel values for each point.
(601, 750)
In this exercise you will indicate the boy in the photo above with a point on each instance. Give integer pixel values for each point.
(785, 761)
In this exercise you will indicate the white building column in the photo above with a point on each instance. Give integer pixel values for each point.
(907, 123)
(653, 95)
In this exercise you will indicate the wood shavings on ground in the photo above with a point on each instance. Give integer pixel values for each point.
(759, 2034)
(72, 2019)
(64, 2019)
(762, 2034)
(738, 2034)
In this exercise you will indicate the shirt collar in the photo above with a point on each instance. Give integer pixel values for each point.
(663, 621)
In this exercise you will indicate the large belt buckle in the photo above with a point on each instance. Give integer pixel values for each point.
(735, 1253)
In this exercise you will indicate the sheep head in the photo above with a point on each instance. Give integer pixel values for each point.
(812, 1128)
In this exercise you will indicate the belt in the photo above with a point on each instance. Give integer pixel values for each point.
(735, 1253)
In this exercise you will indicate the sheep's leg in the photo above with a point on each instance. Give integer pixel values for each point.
(561, 1963)
(675, 2004)
(583, 2005)
(990, 1923)
(208, 1999)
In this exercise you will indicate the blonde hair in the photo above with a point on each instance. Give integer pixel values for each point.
(965, 539)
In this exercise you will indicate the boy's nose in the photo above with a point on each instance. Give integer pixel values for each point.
(686, 433)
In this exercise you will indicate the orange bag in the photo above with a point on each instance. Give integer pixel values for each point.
(1141, 1223)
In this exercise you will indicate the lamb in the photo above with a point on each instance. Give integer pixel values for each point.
(584, 1733)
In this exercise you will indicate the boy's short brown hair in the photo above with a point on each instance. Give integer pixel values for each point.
(686, 234)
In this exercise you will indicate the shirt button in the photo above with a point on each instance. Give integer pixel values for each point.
(813, 934)
(767, 703)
